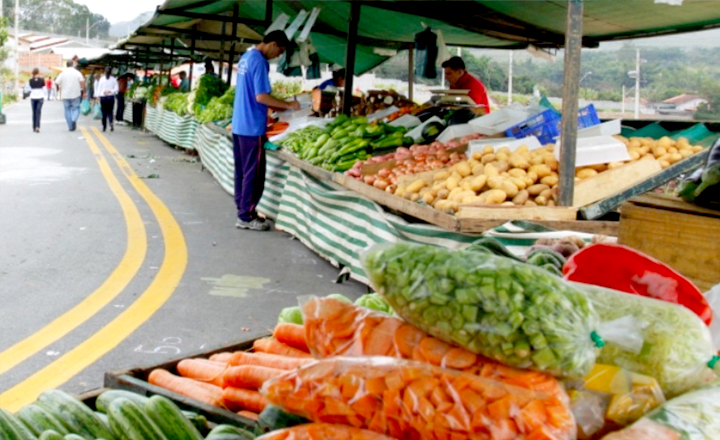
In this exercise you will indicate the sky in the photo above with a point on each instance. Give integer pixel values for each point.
(123, 10)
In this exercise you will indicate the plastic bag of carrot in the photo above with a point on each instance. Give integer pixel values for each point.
(326, 431)
(336, 328)
(415, 400)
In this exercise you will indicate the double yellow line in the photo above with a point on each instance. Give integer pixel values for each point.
(109, 336)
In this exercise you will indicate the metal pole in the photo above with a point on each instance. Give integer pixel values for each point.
(411, 71)
(223, 27)
(268, 11)
(637, 84)
(172, 54)
(236, 14)
(510, 78)
(17, 48)
(192, 61)
(573, 46)
(350, 55)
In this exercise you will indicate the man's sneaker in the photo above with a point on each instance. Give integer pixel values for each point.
(256, 224)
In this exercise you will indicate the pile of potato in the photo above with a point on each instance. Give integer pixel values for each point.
(490, 177)
(665, 150)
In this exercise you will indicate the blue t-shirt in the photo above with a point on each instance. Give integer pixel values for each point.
(328, 83)
(249, 116)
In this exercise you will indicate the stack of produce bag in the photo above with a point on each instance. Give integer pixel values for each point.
(409, 399)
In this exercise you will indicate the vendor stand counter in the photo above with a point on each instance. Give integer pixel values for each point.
(136, 380)
(681, 234)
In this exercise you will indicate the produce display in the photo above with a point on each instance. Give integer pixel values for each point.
(334, 328)
(218, 108)
(703, 186)
(692, 416)
(542, 256)
(177, 102)
(677, 347)
(512, 312)
(316, 431)
(667, 151)
(409, 399)
(208, 87)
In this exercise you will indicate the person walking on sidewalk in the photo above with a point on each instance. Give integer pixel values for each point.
(249, 125)
(106, 89)
(37, 95)
(122, 88)
(72, 86)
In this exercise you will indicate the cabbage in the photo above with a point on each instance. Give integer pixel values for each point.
(340, 297)
(373, 301)
(677, 345)
(291, 315)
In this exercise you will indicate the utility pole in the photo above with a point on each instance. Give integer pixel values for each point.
(637, 84)
(17, 48)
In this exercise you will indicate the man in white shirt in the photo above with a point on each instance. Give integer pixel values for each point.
(106, 88)
(72, 86)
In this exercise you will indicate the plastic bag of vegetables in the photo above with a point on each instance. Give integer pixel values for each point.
(509, 311)
(314, 431)
(677, 349)
(408, 399)
(335, 328)
(692, 416)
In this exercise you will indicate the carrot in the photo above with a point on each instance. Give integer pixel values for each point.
(249, 415)
(202, 370)
(336, 328)
(221, 357)
(273, 346)
(292, 335)
(250, 377)
(238, 399)
(267, 360)
(314, 431)
(411, 399)
(199, 391)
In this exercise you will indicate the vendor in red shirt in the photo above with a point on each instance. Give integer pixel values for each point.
(460, 79)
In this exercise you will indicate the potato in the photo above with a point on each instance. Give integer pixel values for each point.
(477, 155)
(541, 201)
(488, 158)
(659, 151)
(521, 149)
(441, 175)
(686, 152)
(682, 143)
(634, 143)
(520, 183)
(550, 180)
(613, 165)
(426, 190)
(551, 162)
(634, 154)
(507, 204)
(443, 193)
(478, 183)
(528, 181)
(489, 149)
(664, 163)
(696, 148)
(463, 168)
(452, 183)
(599, 167)
(530, 203)
(535, 190)
(408, 195)
(491, 171)
(541, 170)
(415, 186)
(495, 196)
(648, 156)
(521, 197)
(501, 165)
(518, 161)
(532, 175)
(414, 197)
(511, 190)
(537, 159)
(665, 143)
(517, 172)
(465, 185)
(428, 199)
(400, 191)
(672, 150)
(437, 186)
(547, 194)
(585, 173)
(644, 150)
(675, 157)
(469, 199)
(381, 184)
(454, 193)
(665, 157)
(495, 182)
(441, 205)
(501, 155)
(551, 203)
(505, 150)
(478, 169)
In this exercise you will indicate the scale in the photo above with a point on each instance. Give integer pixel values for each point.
(451, 97)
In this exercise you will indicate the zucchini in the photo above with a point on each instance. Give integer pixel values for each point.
(273, 417)
(77, 417)
(74, 437)
(170, 419)
(198, 420)
(39, 420)
(11, 428)
(104, 399)
(51, 434)
(102, 416)
(129, 421)
(225, 429)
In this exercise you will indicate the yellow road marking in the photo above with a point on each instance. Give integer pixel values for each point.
(120, 277)
(159, 291)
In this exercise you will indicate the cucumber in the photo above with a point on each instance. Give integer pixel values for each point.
(11, 428)
(170, 419)
(127, 419)
(198, 420)
(51, 434)
(104, 399)
(230, 430)
(39, 420)
(77, 417)
(273, 418)
(102, 416)
(74, 437)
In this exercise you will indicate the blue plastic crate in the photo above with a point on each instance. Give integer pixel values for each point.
(587, 117)
(545, 126)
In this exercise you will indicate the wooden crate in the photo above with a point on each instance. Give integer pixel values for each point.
(681, 234)
(136, 380)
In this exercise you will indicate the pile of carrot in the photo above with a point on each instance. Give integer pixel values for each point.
(322, 431)
(232, 380)
(336, 328)
(415, 400)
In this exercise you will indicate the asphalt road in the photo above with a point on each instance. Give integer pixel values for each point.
(118, 250)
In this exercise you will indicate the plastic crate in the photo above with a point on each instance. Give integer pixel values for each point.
(545, 126)
(587, 117)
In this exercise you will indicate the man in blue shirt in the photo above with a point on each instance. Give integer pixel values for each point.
(337, 80)
(249, 124)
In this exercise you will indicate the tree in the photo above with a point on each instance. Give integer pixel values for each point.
(58, 16)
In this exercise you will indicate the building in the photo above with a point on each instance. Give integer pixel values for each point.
(684, 102)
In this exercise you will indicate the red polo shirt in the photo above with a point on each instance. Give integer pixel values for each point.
(477, 93)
